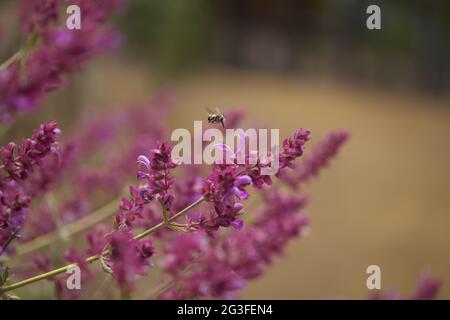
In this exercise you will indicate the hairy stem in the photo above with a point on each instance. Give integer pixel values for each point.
(9, 240)
(32, 40)
(96, 257)
(17, 56)
(70, 229)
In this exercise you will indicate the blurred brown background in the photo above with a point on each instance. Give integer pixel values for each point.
(290, 64)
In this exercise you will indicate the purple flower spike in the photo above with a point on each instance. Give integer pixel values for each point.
(156, 184)
(129, 258)
(238, 224)
(23, 169)
(144, 161)
(26, 81)
(242, 194)
(242, 181)
(317, 159)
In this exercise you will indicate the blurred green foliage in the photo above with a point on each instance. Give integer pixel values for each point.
(174, 35)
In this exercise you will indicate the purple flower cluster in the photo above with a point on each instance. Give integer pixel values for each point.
(17, 164)
(202, 266)
(132, 210)
(203, 262)
(206, 267)
(156, 182)
(129, 258)
(202, 256)
(224, 187)
(86, 183)
(318, 158)
(14, 206)
(156, 178)
(58, 51)
(227, 183)
(96, 239)
(19, 161)
(293, 148)
(37, 16)
(195, 264)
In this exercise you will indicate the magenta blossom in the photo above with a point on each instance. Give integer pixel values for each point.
(156, 179)
(56, 51)
(206, 267)
(129, 258)
(19, 161)
(37, 15)
(318, 158)
(226, 185)
(17, 164)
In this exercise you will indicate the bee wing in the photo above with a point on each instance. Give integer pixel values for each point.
(218, 111)
(208, 110)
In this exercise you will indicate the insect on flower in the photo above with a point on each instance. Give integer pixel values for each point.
(216, 117)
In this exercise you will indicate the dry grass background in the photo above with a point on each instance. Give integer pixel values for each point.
(385, 200)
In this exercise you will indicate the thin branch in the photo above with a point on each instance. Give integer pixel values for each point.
(17, 56)
(70, 229)
(8, 241)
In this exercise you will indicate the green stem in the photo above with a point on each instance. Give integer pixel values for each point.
(32, 40)
(10, 238)
(71, 229)
(96, 257)
(17, 56)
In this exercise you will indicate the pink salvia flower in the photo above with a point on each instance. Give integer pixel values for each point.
(206, 267)
(156, 178)
(129, 258)
(37, 15)
(19, 161)
(57, 51)
(318, 158)
(17, 164)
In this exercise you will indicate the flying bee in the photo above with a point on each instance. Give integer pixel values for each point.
(216, 117)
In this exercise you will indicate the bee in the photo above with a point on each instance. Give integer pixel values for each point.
(216, 117)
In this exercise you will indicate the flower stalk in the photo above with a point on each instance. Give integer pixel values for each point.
(17, 56)
(70, 230)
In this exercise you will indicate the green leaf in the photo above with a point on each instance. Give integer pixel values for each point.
(4, 275)
(177, 228)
